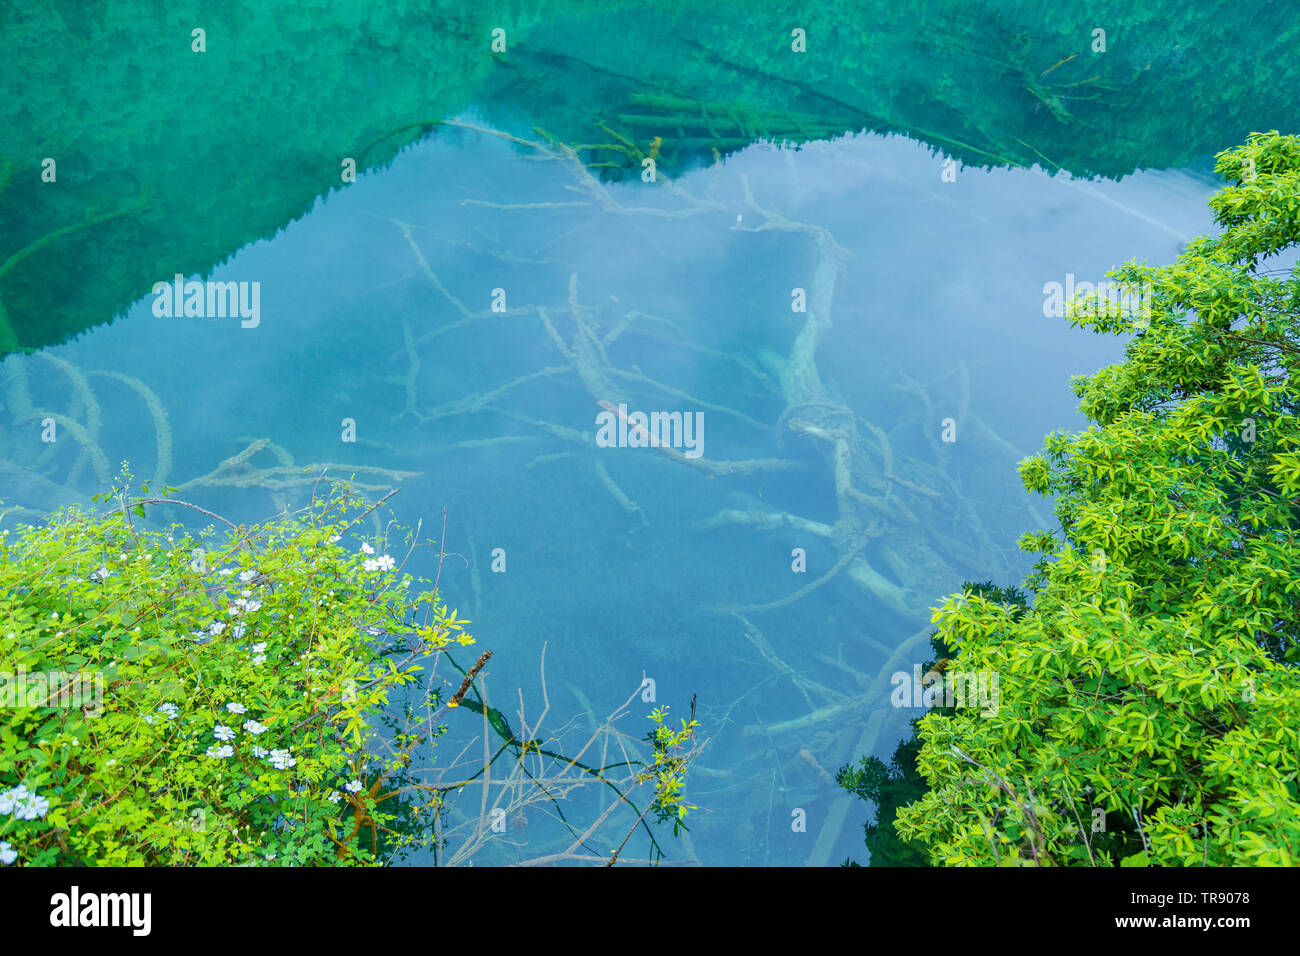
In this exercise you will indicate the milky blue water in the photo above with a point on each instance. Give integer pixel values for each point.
(938, 313)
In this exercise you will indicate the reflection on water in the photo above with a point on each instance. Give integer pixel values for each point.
(836, 314)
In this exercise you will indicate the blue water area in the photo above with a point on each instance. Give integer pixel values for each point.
(626, 563)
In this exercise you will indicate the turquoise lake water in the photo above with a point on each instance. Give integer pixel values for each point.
(938, 313)
(858, 328)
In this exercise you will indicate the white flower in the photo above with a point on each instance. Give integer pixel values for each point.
(216, 628)
(222, 752)
(331, 539)
(236, 708)
(253, 727)
(259, 752)
(370, 564)
(259, 647)
(334, 797)
(248, 575)
(366, 549)
(11, 798)
(101, 575)
(281, 760)
(386, 563)
(353, 786)
(239, 630)
(222, 732)
(244, 605)
(226, 571)
(33, 808)
(259, 659)
(7, 853)
(168, 710)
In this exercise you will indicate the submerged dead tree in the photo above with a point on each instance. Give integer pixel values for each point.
(42, 473)
(901, 529)
(878, 492)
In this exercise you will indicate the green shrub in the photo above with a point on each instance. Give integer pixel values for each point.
(229, 689)
(898, 783)
(1154, 679)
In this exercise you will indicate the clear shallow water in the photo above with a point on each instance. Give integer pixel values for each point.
(938, 313)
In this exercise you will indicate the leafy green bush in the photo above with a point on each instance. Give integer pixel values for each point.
(898, 783)
(887, 787)
(231, 690)
(1155, 676)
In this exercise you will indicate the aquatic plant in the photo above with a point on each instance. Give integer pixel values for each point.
(1155, 676)
(539, 777)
